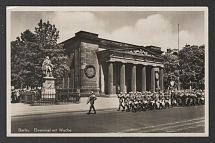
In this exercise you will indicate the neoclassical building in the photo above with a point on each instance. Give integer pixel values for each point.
(105, 66)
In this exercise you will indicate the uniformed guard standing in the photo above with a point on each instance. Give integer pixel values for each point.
(91, 100)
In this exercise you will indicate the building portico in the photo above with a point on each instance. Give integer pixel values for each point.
(130, 81)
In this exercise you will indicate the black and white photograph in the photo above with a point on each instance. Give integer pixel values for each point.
(107, 71)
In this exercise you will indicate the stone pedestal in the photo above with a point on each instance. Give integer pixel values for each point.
(110, 78)
(48, 90)
(143, 79)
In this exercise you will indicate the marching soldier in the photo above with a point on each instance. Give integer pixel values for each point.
(167, 97)
(144, 101)
(139, 99)
(194, 98)
(198, 94)
(156, 99)
(185, 98)
(126, 101)
(136, 103)
(120, 96)
(180, 98)
(151, 100)
(131, 102)
(91, 100)
(203, 97)
(161, 99)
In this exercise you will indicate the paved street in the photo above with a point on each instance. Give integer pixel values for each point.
(174, 120)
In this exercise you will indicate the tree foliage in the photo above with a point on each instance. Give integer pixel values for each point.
(29, 51)
(192, 65)
(185, 66)
(171, 64)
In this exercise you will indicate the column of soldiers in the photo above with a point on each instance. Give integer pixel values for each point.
(142, 101)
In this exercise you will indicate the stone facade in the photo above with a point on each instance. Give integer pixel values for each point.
(102, 65)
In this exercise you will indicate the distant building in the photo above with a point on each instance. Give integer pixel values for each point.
(102, 65)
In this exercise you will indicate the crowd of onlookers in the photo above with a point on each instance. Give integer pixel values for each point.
(19, 95)
(142, 101)
(16, 93)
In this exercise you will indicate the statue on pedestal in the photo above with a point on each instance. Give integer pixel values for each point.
(48, 89)
(47, 67)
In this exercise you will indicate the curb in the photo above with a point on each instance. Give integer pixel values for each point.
(27, 115)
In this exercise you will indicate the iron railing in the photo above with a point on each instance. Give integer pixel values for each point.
(62, 96)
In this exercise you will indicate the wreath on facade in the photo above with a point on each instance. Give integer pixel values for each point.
(90, 71)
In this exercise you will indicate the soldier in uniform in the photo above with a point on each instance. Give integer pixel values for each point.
(126, 101)
(194, 97)
(168, 99)
(132, 101)
(161, 99)
(151, 99)
(198, 94)
(202, 97)
(139, 101)
(186, 98)
(173, 98)
(144, 101)
(156, 99)
(121, 96)
(91, 100)
(180, 98)
(190, 101)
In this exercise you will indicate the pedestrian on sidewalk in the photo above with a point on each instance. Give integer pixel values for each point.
(91, 100)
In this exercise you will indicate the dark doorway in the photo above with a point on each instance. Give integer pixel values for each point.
(148, 78)
(129, 86)
(139, 78)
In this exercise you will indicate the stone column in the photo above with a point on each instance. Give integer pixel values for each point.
(133, 78)
(143, 85)
(161, 79)
(153, 79)
(122, 78)
(101, 79)
(110, 78)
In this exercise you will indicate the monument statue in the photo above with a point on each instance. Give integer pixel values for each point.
(48, 89)
(47, 67)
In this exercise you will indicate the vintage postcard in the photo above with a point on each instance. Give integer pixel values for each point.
(107, 72)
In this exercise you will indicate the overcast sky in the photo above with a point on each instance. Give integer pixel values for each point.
(158, 28)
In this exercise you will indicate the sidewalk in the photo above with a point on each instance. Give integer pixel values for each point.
(102, 103)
